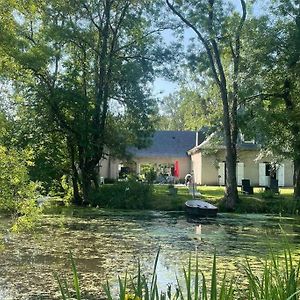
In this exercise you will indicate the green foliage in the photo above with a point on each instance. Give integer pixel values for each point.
(267, 194)
(86, 79)
(17, 192)
(4, 125)
(271, 89)
(68, 190)
(248, 204)
(150, 175)
(30, 215)
(283, 206)
(171, 116)
(15, 186)
(129, 194)
(191, 108)
(63, 285)
(148, 172)
(279, 280)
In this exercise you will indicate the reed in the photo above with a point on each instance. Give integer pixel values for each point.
(279, 280)
(64, 288)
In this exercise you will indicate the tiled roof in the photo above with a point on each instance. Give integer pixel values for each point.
(168, 143)
(215, 141)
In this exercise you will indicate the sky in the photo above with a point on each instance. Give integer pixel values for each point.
(163, 87)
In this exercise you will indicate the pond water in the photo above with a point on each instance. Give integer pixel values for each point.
(107, 243)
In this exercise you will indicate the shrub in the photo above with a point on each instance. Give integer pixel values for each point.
(68, 190)
(268, 194)
(283, 206)
(129, 194)
(150, 175)
(109, 180)
(17, 192)
(249, 204)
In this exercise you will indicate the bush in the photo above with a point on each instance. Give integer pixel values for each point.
(109, 181)
(150, 175)
(248, 204)
(129, 194)
(283, 206)
(17, 192)
(268, 194)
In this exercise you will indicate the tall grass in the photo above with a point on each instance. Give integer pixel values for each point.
(278, 280)
(63, 284)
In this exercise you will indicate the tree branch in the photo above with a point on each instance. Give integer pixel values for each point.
(91, 16)
(236, 68)
(201, 38)
(216, 51)
(262, 96)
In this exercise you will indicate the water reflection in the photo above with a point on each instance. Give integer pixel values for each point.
(107, 243)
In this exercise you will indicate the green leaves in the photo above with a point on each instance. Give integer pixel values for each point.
(84, 77)
(17, 192)
(279, 279)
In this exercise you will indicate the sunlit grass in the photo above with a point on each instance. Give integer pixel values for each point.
(163, 200)
(256, 203)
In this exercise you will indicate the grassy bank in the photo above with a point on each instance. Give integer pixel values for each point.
(259, 202)
(138, 196)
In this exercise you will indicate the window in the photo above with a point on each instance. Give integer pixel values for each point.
(270, 170)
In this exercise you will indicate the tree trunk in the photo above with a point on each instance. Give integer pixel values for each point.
(231, 193)
(76, 195)
(95, 178)
(230, 138)
(211, 47)
(75, 178)
(86, 185)
(297, 178)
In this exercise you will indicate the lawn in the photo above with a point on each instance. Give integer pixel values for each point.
(259, 202)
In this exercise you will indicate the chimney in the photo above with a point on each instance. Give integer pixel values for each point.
(197, 137)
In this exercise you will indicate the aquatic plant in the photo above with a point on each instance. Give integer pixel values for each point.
(139, 287)
(278, 280)
(63, 284)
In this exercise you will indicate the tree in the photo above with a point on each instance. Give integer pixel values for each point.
(220, 37)
(85, 66)
(171, 117)
(191, 108)
(272, 114)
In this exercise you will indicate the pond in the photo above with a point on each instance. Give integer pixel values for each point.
(106, 243)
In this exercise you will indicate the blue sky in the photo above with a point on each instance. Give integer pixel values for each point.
(163, 87)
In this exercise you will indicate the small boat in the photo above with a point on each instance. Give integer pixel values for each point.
(200, 208)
